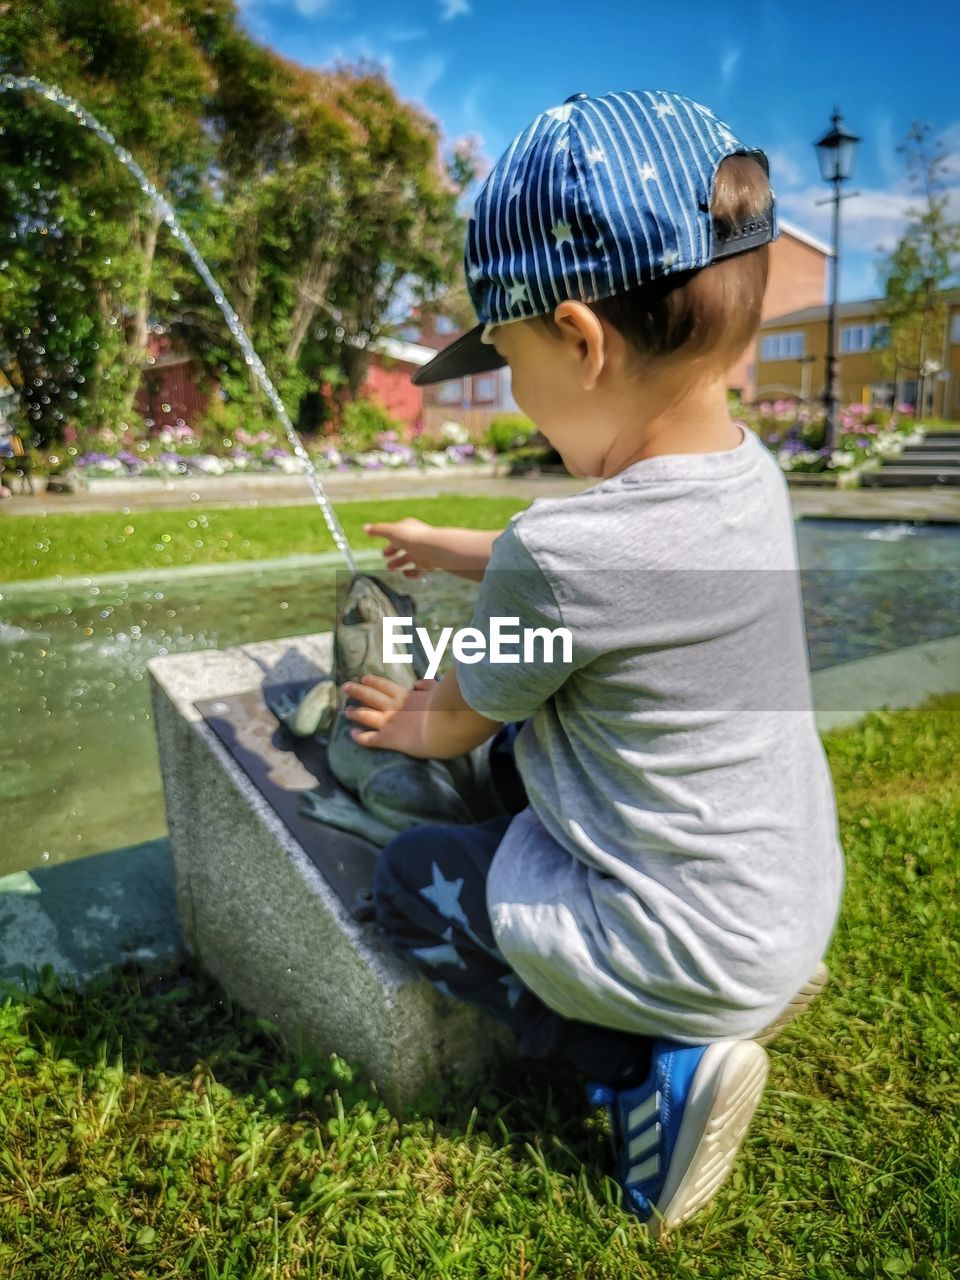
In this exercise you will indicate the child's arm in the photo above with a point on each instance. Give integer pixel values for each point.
(416, 547)
(430, 721)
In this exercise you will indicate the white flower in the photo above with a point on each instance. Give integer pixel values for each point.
(842, 458)
(209, 465)
(110, 464)
(848, 479)
(289, 465)
(454, 433)
(165, 436)
(889, 443)
(785, 459)
(433, 458)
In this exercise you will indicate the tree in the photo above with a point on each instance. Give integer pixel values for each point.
(315, 197)
(80, 240)
(916, 272)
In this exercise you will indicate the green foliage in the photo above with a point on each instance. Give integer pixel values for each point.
(509, 431)
(313, 196)
(79, 256)
(150, 1127)
(921, 264)
(362, 423)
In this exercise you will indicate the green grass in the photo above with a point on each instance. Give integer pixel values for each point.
(73, 545)
(150, 1129)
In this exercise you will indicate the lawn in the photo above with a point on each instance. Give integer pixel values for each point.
(75, 545)
(148, 1128)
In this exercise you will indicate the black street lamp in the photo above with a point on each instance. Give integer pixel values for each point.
(835, 151)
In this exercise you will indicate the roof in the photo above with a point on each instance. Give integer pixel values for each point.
(805, 237)
(866, 307)
(407, 352)
(862, 307)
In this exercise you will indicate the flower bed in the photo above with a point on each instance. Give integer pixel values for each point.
(867, 436)
(178, 451)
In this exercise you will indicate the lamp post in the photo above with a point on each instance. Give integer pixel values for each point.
(805, 371)
(835, 152)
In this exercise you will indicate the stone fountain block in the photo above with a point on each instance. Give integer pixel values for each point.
(261, 917)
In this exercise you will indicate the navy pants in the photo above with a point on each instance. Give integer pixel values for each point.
(430, 901)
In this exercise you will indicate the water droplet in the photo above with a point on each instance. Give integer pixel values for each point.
(45, 856)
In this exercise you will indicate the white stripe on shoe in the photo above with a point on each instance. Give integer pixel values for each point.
(647, 1109)
(723, 1097)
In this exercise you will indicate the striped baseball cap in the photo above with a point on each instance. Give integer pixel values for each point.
(594, 198)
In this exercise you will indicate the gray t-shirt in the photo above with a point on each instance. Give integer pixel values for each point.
(678, 872)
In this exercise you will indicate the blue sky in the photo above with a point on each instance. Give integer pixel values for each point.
(772, 71)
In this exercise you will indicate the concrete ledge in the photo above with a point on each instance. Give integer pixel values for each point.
(281, 481)
(263, 920)
(904, 678)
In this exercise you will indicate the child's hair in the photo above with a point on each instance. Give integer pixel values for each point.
(712, 312)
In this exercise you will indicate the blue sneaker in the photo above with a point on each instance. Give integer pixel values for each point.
(675, 1137)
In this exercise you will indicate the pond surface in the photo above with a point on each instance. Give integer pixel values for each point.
(78, 764)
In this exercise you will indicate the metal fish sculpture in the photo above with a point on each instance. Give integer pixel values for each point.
(384, 792)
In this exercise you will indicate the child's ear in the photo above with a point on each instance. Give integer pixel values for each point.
(583, 330)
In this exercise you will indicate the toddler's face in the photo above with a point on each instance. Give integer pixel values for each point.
(547, 383)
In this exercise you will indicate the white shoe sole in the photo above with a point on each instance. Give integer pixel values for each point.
(799, 1004)
(724, 1095)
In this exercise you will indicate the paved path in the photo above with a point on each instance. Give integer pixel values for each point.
(937, 504)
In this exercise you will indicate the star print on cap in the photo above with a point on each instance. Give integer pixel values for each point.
(594, 198)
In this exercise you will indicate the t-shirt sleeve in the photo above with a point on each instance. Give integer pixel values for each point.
(536, 652)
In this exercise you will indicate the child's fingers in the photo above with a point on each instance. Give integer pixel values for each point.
(371, 716)
(370, 694)
(387, 529)
(366, 737)
(372, 681)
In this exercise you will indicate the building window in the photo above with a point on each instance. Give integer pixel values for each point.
(450, 392)
(485, 389)
(782, 346)
(863, 337)
(881, 337)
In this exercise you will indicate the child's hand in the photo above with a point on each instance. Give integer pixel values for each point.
(395, 715)
(411, 546)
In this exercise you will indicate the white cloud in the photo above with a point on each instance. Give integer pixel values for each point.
(450, 9)
(728, 64)
(786, 168)
(872, 221)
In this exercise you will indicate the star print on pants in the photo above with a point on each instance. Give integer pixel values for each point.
(445, 895)
(445, 953)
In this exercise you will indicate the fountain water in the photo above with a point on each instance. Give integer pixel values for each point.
(28, 84)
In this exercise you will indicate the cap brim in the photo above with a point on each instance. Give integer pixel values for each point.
(464, 356)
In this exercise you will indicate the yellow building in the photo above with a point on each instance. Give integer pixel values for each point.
(792, 358)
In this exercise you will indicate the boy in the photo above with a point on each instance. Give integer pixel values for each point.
(668, 872)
